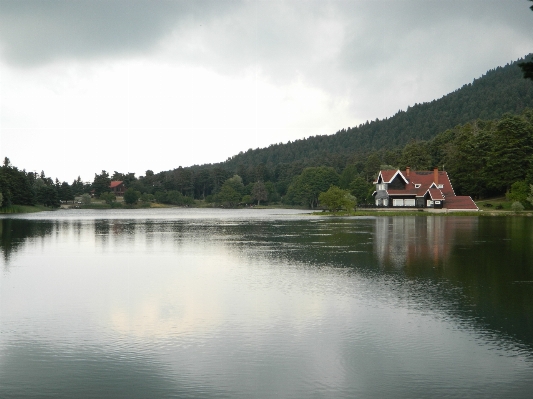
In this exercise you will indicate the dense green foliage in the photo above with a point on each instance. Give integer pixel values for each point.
(259, 192)
(485, 158)
(101, 183)
(108, 197)
(335, 199)
(16, 186)
(131, 196)
(306, 187)
(172, 197)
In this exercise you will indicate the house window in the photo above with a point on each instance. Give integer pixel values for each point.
(385, 202)
(417, 185)
(409, 202)
(378, 202)
(440, 185)
(429, 203)
(382, 186)
(397, 202)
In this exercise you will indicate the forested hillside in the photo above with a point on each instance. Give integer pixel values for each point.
(499, 91)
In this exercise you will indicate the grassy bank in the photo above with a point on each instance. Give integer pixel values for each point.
(494, 204)
(24, 209)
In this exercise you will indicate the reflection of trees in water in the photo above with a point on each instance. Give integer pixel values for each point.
(495, 270)
(15, 232)
(484, 265)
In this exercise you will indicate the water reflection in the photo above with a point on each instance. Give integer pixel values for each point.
(403, 242)
(14, 233)
(483, 266)
(379, 307)
(86, 371)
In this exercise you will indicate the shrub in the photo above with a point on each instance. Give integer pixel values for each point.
(85, 199)
(131, 196)
(247, 199)
(517, 207)
(336, 198)
(145, 197)
(108, 198)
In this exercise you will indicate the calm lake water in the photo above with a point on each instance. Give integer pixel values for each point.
(196, 303)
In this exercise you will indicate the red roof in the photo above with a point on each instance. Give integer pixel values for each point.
(461, 203)
(436, 194)
(387, 175)
(115, 183)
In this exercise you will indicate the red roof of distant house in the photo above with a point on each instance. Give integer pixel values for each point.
(115, 183)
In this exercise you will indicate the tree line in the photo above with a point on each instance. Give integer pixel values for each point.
(484, 158)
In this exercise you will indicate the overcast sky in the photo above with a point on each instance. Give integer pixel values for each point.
(133, 85)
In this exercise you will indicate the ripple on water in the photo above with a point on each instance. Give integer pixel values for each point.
(186, 307)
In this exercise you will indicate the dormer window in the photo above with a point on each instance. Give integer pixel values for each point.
(417, 185)
(382, 186)
(440, 185)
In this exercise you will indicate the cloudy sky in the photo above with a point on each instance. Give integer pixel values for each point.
(133, 85)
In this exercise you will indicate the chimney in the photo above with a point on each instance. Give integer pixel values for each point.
(436, 176)
(407, 170)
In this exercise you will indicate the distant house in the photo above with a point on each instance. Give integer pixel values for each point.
(117, 188)
(419, 189)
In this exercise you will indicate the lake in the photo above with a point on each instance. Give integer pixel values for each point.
(211, 303)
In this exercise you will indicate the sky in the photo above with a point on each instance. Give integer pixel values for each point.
(133, 85)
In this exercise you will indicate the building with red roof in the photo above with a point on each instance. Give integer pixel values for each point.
(117, 187)
(419, 189)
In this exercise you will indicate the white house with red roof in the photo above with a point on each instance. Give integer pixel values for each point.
(419, 189)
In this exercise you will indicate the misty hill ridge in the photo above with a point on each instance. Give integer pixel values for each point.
(500, 90)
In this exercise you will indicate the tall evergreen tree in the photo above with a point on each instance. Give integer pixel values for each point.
(101, 183)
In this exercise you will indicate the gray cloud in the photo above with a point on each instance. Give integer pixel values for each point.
(35, 32)
(372, 52)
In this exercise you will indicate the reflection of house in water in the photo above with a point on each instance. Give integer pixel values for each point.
(404, 241)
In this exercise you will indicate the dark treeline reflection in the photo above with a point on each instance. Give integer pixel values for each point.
(489, 259)
(15, 232)
(479, 270)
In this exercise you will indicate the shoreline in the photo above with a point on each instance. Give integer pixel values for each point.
(22, 209)
(479, 213)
